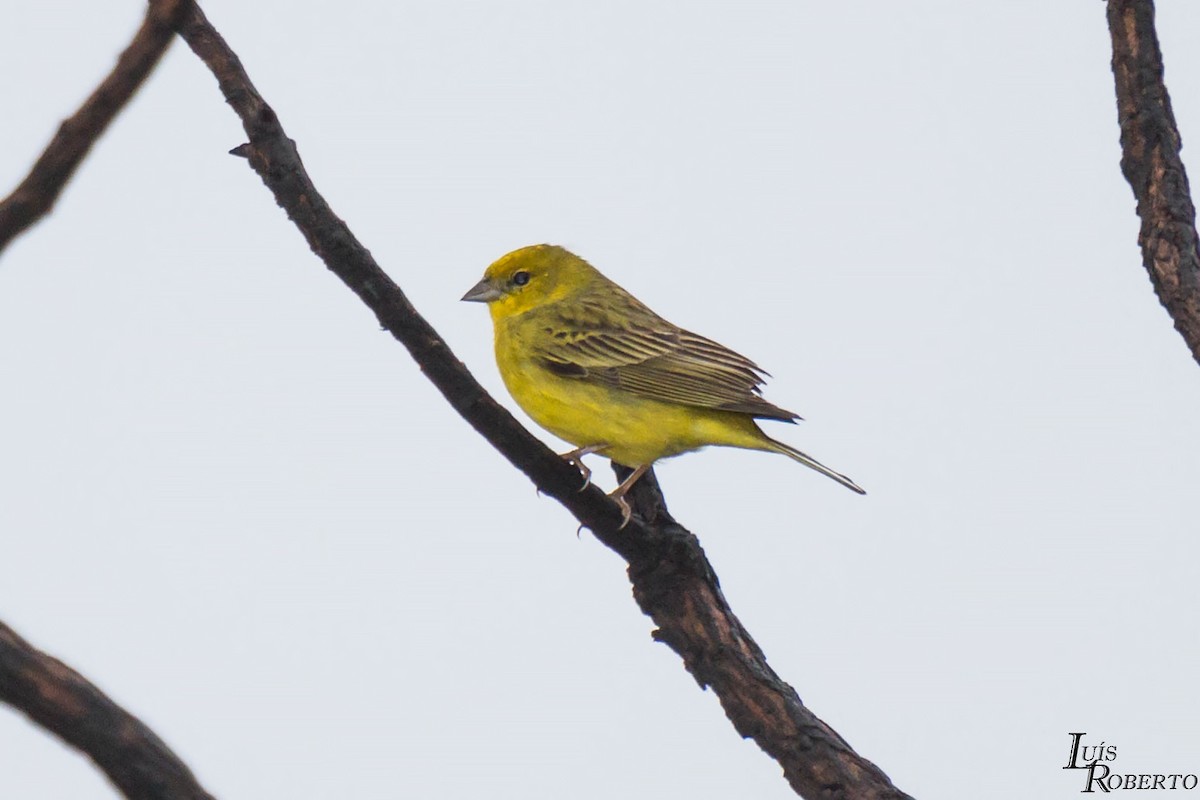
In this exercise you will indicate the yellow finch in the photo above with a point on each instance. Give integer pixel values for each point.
(595, 367)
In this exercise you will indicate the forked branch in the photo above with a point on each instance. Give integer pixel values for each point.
(35, 196)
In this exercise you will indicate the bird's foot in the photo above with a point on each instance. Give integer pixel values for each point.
(626, 511)
(618, 494)
(575, 457)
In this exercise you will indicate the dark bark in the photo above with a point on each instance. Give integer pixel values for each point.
(1150, 159)
(36, 195)
(63, 702)
(672, 580)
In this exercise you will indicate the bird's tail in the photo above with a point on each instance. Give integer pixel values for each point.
(812, 463)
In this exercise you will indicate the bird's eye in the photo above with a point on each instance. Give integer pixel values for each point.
(520, 278)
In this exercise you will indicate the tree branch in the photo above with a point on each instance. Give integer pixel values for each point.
(1150, 161)
(36, 195)
(62, 701)
(672, 580)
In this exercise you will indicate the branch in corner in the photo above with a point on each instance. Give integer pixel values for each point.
(1151, 163)
(61, 700)
(36, 195)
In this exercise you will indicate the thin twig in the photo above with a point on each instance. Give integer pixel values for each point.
(672, 580)
(36, 195)
(62, 701)
(1151, 163)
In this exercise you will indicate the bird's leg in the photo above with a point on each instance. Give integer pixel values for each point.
(618, 494)
(576, 457)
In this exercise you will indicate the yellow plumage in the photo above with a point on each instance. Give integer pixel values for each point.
(594, 366)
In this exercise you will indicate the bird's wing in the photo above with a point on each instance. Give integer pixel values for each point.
(621, 343)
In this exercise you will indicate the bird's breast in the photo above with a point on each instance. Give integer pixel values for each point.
(587, 412)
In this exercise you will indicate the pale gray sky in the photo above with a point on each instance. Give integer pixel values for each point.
(238, 507)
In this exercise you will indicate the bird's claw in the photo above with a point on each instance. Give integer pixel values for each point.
(585, 469)
(626, 511)
(618, 494)
(575, 458)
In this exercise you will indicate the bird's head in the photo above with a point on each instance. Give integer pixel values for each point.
(530, 277)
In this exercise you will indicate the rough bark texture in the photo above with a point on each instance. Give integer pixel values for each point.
(1150, 159)
(36, 195)
(672, 580)
(675, 585)
(60, 700)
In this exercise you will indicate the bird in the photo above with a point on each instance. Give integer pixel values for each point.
(593, 365)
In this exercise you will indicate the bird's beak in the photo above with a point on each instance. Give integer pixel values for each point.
(483, 292)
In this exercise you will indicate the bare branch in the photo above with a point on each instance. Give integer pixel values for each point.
(1150, 160)
(672, 580)
(36, 195)
(675, 585)
(62, 701)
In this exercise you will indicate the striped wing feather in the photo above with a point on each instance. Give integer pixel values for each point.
(624, 344)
